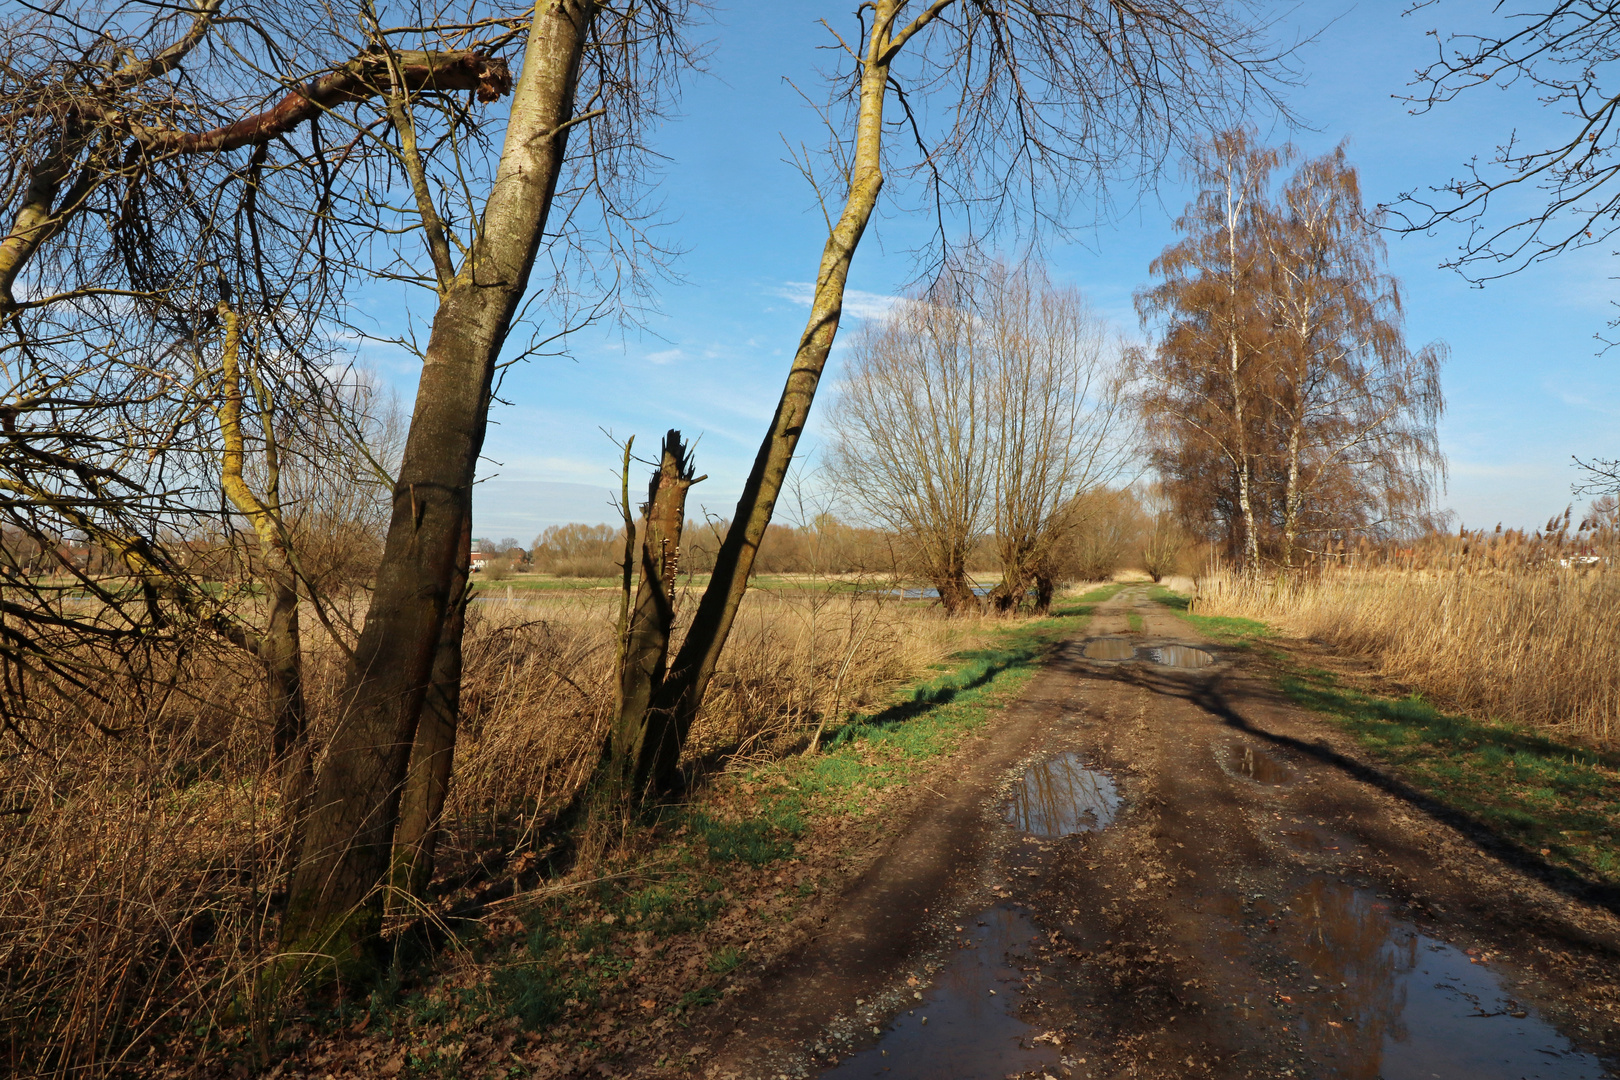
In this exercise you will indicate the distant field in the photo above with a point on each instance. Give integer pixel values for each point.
(770, 582)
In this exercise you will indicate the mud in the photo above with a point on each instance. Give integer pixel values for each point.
(1265, 903)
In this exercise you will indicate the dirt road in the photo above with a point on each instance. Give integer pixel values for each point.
(1226, 887)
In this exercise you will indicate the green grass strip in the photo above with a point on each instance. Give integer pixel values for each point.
(873, 752)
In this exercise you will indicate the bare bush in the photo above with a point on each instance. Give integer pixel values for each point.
(140, 850)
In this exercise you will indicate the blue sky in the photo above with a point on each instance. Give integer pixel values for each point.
(1525, 385)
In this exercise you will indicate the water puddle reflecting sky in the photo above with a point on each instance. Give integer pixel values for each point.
(1180, 656)
(1257, 765)
(960, 1029)
(1061, 796)
(1110, 648)
(1385, 1002)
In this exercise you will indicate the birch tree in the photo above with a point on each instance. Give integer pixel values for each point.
(1357, 408)
(1205, 379)
(1283, 398)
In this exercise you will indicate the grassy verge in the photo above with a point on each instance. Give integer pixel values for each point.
(690, 897)
(1552, 797)
(1238, 633)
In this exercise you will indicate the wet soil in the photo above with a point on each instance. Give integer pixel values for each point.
(1157, 870)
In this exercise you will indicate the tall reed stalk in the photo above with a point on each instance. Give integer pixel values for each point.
(1533, 643)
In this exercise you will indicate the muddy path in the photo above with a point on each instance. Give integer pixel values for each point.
(1154, 866)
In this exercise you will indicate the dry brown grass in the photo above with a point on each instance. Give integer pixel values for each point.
(1529, 642)
(137, 871)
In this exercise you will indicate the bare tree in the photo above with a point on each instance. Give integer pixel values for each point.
(1560, 195)
(1042, 100)
(1102, 529)
(1060, 425)
(982, 409)
(914, 434)
(618, 52)
(1162, 537)
(163, 162)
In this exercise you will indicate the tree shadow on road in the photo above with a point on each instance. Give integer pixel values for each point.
(1502, 835)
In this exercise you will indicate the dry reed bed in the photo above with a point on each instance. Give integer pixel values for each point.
(1536, 645)
(137, 873)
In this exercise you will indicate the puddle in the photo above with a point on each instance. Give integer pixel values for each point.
(1110, 648)
(1182, 656)
(1061, 796)
(970, 1033)
(1390, 1003)
(1259, 766)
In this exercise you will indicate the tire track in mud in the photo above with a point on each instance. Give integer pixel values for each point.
(1257, 908)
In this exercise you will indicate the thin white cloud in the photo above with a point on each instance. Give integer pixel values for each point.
(861, 304)
(665, 356)
(1579, 401)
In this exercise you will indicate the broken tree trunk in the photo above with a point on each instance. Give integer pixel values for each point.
(642, 733)
(681, 695)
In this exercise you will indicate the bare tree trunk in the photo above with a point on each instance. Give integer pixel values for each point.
(284, 666)
(1291, 499)
(1044, 587)
(683, 691)
(955, 594)
(334, 907)
(280, 646)
(427, 778)
(640, 732)
(1251, 539)
(1009, 593)
(282, 654)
